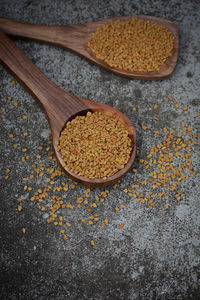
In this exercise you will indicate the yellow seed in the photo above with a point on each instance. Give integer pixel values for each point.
(92, 243)
(19, 207)
(24, 230)
(144, 127)
(165, 129)
(120, 226)
(128, 44)
(89, 158)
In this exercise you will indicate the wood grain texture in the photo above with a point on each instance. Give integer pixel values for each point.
(76, 38)
(59, 105)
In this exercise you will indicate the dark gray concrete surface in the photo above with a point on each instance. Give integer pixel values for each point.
(156, 254)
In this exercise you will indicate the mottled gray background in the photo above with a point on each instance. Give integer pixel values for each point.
(156, 254)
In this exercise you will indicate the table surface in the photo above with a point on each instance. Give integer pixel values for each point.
(141, 250)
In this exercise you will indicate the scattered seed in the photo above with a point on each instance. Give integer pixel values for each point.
(144, 127)
(120, 226)
(92, 243)
(176, 105)
(19, 208)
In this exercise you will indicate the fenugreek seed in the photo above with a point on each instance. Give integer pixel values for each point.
(95, 146)
(120, 226)
(19, 208)
(135, 44)
(144, 127)
(92, 243)
(156, 131)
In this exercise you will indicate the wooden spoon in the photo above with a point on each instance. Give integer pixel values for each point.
(76, 38)
(60, 106)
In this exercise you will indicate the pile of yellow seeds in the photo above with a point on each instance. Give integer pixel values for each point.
(95, 146)
(133, 45)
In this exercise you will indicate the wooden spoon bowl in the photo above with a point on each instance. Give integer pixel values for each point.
(76, 38)
(60, 106)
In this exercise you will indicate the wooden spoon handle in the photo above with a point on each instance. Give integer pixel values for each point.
(58, 104)
(69, 37)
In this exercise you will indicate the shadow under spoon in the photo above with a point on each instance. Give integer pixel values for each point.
(60, 106)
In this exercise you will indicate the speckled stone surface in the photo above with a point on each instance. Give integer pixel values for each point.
(156, 253)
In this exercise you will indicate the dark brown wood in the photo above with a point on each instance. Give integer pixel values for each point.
(76, 38)
(59, 105)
